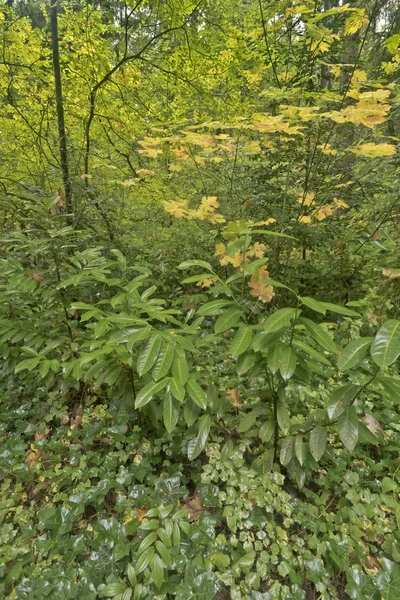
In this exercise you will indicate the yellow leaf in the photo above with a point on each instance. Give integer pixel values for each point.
(305, 219)
(355, 22)
(178, 209)
(267, 222)
(260, 290)
(392, 274)
(340, 203)
(175, 168)
(145, 172)
(325, 211)
(206, 283)
(307, 200)
(372, 150)
(252, 147)
(150, 152)
(258, 250)
(220, 249)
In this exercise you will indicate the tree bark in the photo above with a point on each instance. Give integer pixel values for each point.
(60, 111)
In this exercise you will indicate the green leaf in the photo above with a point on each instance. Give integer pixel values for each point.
(144, 559)
(131, 574)
(388, 485)
(274, 357)
(353, 353)
(280, 318)
(313, 304)
(148, 392)
(283, 417)
(320, 335)
(392, 387)
(177, 389)
(215, 307)
(148, 541)
(157, 570)
(227, 320)
(148, 355)
(340, 398)
(197, 393)
(241, 341)
(196, 278)
(386, 345)
(196, 446)
(300, 448)
(171, 409)
(275, 234)
(180, 369)
(341, 310)
(245, 362)
(190, 412)
(318, 439)
(311, 352)
(288, 362)
(163, 552)
(28, 363)
(112, 589)
(195, 263)
(388, 580)
(286, 452)
(248, 421)
(267, 431)
(348, 427)
(360, 586)
(163, 362)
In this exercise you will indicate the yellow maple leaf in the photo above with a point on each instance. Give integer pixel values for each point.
(391, 273)
(209, 202)
(220, 249)
(176, 208)
(305, 219)
(150, 152)
(252, 147)
(372, 150)
(267, 222)
(325, 211)
(357, 20)
(207, 282)
(260, 290)
(258, 250)
(340, 203)
(307, 200)
(237, 259)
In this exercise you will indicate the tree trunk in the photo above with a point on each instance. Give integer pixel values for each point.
(60, 112)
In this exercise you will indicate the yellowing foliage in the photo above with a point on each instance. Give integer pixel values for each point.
(259, 288)
(372, 150)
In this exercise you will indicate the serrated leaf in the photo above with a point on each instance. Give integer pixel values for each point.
(280, 318)
(353, 353)
(163, 362)
(241, 341)
(148, 355)
(196, 446)
(320, 335)
(340, 398)
(227, 320)
(386, 345)
(148, 392)
(318, 439)
(348, 427)
(197, 393)
(287, 365)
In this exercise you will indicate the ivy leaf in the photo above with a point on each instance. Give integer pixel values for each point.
(386, 345)
(241, 341)
(318, 439)
(360, 586)
(196, 446)
(348, 427)
(388, 580)
(353, 353)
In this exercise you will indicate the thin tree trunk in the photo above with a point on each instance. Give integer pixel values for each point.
(60, 112)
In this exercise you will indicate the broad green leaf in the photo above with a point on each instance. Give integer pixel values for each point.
(353, 353)
(144, 559)
(112, 589)
(157, 570)
(318, 439)
(360, 586)
(196, 446)
(274, 357)
(263, 342)
(163, 362)
(388, 580)
(267, 430)
(286, 452)
(283, 417)
(171, 409)
(386, 345)
(320, 335)
(313, 304)
(191, 412)
(147, 541)
(245, 362)
(197, 393)
(275, 234)
(227, 320)
(28, 363)
(195, 263)
(148, 355)
(148, 392)
(248, 421)
(348, 427)
(300, 448)
(215, 307)
(311, 352)
(340, 398)
(131, 574)
(287, 365)
(196, 278)
(392, 387)
(278, 319)
(180, 369)
(241, 341)
(341, 310)
(177, 389)
(163, 552)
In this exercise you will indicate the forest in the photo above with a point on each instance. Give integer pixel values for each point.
(199, 299)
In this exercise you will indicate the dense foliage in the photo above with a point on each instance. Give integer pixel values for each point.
(199, 300)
